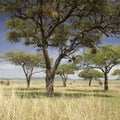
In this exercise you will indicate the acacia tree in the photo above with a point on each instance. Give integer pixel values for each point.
(105, 59)
(116, 72)
(63, 24)
(91, 74)
(64, 70)
(27, 61)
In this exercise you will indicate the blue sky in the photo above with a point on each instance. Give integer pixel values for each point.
(8, 70)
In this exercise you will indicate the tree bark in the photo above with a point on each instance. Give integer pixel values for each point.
(90, 82)
(49, 88)
(64, 81)
(28, 83)
(28, 75)
(106, 82)
(49, 83)
(28, 79)
(50, 71)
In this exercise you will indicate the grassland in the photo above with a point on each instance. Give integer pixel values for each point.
(75, 102)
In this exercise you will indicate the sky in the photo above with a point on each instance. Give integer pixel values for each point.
(8, 70)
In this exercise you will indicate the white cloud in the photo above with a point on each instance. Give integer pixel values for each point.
(8, 70)
(7, 66)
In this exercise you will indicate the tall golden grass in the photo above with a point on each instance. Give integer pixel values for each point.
(13, 107)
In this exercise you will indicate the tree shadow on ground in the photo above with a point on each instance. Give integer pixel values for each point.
(78, 95)
(84, 91)
(31, 89)
(24, 89)
(30, 94)
(72, 93)
(59, 94)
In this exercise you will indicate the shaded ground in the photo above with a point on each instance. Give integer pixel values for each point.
(40, 92)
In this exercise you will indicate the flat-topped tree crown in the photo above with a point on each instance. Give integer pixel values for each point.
(27, 61)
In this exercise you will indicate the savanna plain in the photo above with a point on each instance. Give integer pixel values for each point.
(77, 101)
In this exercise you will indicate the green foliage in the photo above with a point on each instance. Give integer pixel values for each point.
(60, 36)
(21, 57)
(52, 18)
(27, 61)
(106, 57)
(22, 29)
(116, 72)
(66, 25)
(91, 74)
(66, 69)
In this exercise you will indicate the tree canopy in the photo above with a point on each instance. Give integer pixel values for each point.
(27, 61)
(64, 70)
(90, 74)
(105, 59)
(116, 72)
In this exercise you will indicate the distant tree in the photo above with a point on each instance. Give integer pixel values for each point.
(6, 82)
(65, 25)
(64, 70)
(116, 72)
(27, 61)
(105, 59)
(90, 74)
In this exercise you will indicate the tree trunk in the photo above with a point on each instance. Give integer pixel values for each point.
(49, 87)
(106, 82)
(90, 82)
(28, 78)
(28, 74)
(49, 83)
(50, 71)
(64, 81)
(28, 83)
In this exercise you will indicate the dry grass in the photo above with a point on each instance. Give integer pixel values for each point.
(75, 102)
